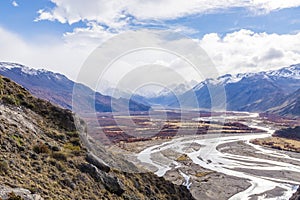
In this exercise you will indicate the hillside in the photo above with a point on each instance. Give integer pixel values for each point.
(290, 133)
(58, 89)
(290, 105)
(42, 157)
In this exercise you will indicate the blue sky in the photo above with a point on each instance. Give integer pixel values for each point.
(21, 19)
(64, 32)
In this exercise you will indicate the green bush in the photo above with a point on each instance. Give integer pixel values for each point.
(18, 140)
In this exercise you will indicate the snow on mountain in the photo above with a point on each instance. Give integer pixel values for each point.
(59, 90)
(177, 88)
(288, 72)
(291, 72)
(246, 91)
(4, 66)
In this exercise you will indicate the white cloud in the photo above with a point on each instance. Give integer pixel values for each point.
(236, 52)
(106, 18)
(246, 51)
(15, 4)
(270, 5)
(54, 56)
(91, 36)
(116, 14)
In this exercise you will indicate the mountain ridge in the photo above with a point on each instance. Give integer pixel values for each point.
(58, 89)
(254, 92)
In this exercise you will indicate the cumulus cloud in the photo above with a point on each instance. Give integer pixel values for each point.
(242, 49)
(118, 13)
(90, 36)
(236, 52)
(246, 51)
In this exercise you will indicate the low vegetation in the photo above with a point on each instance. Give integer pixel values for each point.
(279, 143)
(41, 151)
(289, 133)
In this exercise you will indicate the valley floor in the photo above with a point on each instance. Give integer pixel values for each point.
(221, 166)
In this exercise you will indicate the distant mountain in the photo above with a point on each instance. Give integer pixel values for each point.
(290, 105)
(169, 94)
(246, 92)
(58, 89)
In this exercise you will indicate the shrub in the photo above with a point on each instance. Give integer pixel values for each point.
(9, 100)
(71, 147)
(41, 148)
(20, 96)
(13, 196)
(75, 141)
(59, 156)
(3, 166)
(183, 157)
(72, 134)
(18, 140)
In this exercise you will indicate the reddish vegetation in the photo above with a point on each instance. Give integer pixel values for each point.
(110, 128)
(285, 121)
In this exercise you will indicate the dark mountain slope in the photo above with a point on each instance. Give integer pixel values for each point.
(290, 105)
(252, 94)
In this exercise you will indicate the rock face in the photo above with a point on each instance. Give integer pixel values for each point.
(43, 157)
(7, 192)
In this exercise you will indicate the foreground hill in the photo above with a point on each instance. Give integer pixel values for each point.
(42, 157)
(58, 89)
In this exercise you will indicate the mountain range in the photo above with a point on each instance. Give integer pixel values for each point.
(275, 91)
(58, 89)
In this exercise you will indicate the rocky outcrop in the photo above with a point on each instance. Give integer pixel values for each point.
(17, 193)
(94, 160)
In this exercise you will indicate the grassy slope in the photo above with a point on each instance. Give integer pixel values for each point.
(41, 151)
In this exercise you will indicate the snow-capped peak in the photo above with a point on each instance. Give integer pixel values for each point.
(29, 71)
(24, 69)
(292, 71)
